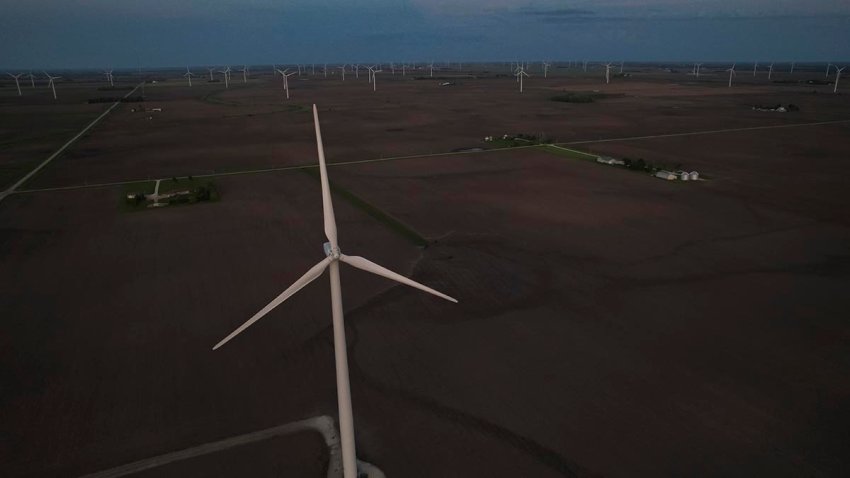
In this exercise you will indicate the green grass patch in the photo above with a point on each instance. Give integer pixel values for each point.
(199, 191)
(382, 217)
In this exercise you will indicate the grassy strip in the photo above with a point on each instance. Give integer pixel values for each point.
(382, 217)
(569, 153)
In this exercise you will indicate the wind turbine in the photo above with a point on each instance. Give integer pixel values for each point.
(770, 71)
(51, 84)
(698, 67)
(245, 70)
(211, 72)
(828, 66)
(792, 67)
(108, 74)
(326, 70)
(32, 80)
(607, 73)
(17, 83)
(621, 67)
(431, 66)
(731, 73)
(837, 77)
(286, 80)
(755, 66)
(333, 257)
(545, 70)
(226, 72)
(189, 76)
(373, 76)
(520, 73)
(403, 69)
(312, 69)
(343, 71)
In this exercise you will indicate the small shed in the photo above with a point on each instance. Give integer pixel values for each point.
(683, 175)
(694, 175)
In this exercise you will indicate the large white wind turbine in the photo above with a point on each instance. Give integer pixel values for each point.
(546, 69)
(245, 70)
(342, 68)
(837, 77)
(286, 76)
(431, 66)
(189, 76)
(17, 82)
(373, 77)
(212, 69)
(519, 74)
(226, 73)
(51, 83)
(755, 67)
(607, 73)
(731, 74)
(770, 71)
(108, 74)
(333, 257)
(698, 65)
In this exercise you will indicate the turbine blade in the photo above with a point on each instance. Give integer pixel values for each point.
(369, 266)
(310, 276)
(327, 205)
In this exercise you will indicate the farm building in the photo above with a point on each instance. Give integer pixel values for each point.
(665, 175)
(694, 175)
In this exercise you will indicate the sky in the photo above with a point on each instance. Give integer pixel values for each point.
(61, 34)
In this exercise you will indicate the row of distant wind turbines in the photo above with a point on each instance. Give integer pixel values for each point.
(519, 70)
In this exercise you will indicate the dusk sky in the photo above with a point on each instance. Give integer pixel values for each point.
(36, 34)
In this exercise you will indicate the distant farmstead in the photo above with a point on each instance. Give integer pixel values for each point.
(610, 160)
(668, 175)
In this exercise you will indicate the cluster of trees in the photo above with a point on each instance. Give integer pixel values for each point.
(641, 164)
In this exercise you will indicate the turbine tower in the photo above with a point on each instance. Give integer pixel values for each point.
(755, 67)
(828, 66)
(607, 73)
(32, 80)
(189, 76)
(519, 74)
(333, 257)
(731, 74)
(792, 67)
(51, 83)
(698, 67)
(108, 74)
(770, 71)
(342, 68)
(245, 70)
(837, 77)
(17, 83)
(211, 72)
(226, 72)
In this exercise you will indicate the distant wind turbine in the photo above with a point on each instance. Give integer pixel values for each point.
(755, 67)
(17, 83)
(698, 67)
(32, 80)
(621, 67)
(545, 70)
(431, 66)
(333, 256)
(286, 76)
(51, 83)
(792, 67)
(189, 76)
(607, 73)
(211, 72)
(828, 66)
(342, 68)
(837, 77)
(770, 71)
(108, 74)
(226, 72)
(731, 74)
(245, 70)
(519, 74)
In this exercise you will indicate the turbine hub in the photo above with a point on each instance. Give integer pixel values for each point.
(330, 251)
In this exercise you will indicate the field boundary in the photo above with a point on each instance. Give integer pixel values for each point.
(62, 149)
